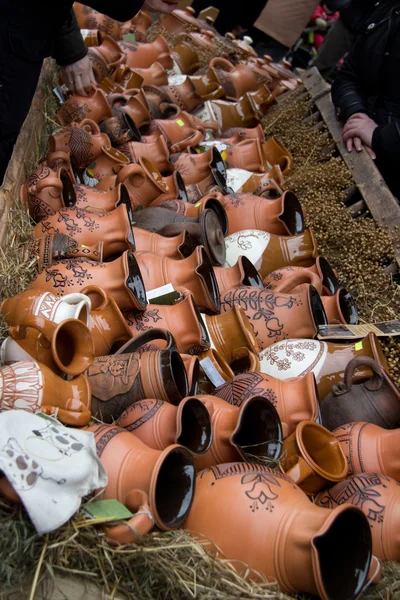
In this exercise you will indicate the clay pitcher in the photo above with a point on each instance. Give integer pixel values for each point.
(321, 276)
(295, 399)
(185, 57)
(177, 247)
(279, 533)
(153, 75)
(248, 155)
(31, 386)
(201, 173)
(378, 497)
(102, 171)
(82, 140)
(159, 424)
(276, 317)
(208, 202)
(229, 114)
(133, 374)
(369, 448)
(51, 248)
(242, 273)
(156, 151)
(178, 21)
(121, 279)
(283, 216)
(235, 79)
(143, 56)
(377, 400)
(78, 108)
(183, 94)
(180, 133)
(104, 57)
(46, 191)
(143, 182)
(312, 458)
(253, 430)
(341, 308)
(269, 252)
(276, 154)
(159, 485)
(207, 85)
(195, 273)
(182, 319)
(327, 360)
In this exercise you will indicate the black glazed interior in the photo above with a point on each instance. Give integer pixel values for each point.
(175, 487)
(188, 246)
(135, 283)
(180, 187)
(217, 207)
(213, 236)
(206, 272)
(126, 201)
(68, 192)
(131, 125)
(292, 214)
(348, 307)
(317, 308)
(344, 555)
(194, 384)
(259, 431)
(250, 274)
(196, 427)
(329, 279)
(174, 377)
(205, 338)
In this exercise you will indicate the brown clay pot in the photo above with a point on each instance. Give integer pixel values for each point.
(328, 361)
(184, 95)
(377, 400)
(195, 273)
(235, 79)
(155, 151)
(153, 75)
(214, 367)
(192, 367)
(121, 279)
(131, 109)
(157, 486)
(181, 318)
(66, 347)
(159, 424)
(378, 497)
(279, 533)
(143, 182)
(247, 155)
(185, 57)
(139, 25)
(31, 386)
(262, 100)
(78, 108)
(105, 57)
(181, 132)
(268, 184)
(283, 216)
(46, 191)
(295, 399)
(89, 18)
(177, 247)
(229, 114)
(276, 154)
(92, 198)
(207, 85)
(312, 458)
(126, 78)
(91, 37)
(51, 248)
(341, 308)
(269, 252)
(83, 141)
(253, 430)
(321, 276)
(242, 273)
(178, 21)
(276, 317)
(143, 56)
(238, 134)
(102, 171)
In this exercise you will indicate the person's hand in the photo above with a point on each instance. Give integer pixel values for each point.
(159, 6)
(321, 24)
(79, 77)
(358, 131)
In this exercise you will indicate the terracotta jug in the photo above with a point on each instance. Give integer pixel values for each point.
(195, 273)
(269, 252)
(105, 57)
(65, 347)
(120, 129)
(82, 140)
(229, 114)
(89, 18)
(78, 108)
(378, 497)
(238, 134)
(374, 401)
(276, 154)
(51, 248)
(295, 399)
(183, 94)
(313, 458)
(179, 21)
(210, 201)
(251, 431)
(192, 367)
(92, 198)
(214, 367)
(102, 171)
(106, 323)
(328, 361)
(277, 317)
(31, 386)
(153, 75)
(279, 533)
(262, 100)
(91, 37)
(139, 25)
(207, 85)
(156, 151)
(268, 184)
(46, 305)
(283, 216)
(186, 58)
(321, 276)
(201, 173)
(177, 247)
(120, 278)
(248, 155)
(143, 182)
(125, 78)
(46, 191)
(143, 56)
(235, 79)
(182, 319)
(119, 380)
(132, 109)
(242, 273)
(159, 424)
(158, 485)
(341, 308)
(181, 132)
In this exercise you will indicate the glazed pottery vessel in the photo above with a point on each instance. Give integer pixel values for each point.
(251, 431)
(125, 78)
(275, 316)
(207, 85)
(156, 151)
(249, 155)
(340, 308)
(180, 133)
(194, 273)
(182, 319)
(328, 284)
(131, 109)
(180, 21)
(377, 400)
(242, 273)
(327, 360)
(78, 108)
(229, 114)
(313, 458)
(143, 182)
(268, 184)
(276, 154)
(201, 173)
(158, 485)
(236, 80)
(143, 56)
(192, 367)
(83, 141)
(176, 247)
(186, 58)
(102, 171)
(92, 198)
(159, 424)
(65, 347)
(183, 94)
(153, 75)
(104, 57)
(295, 399)
(369, 448)
(51, 248)
(378, 497)
(214, 367)
(31, 386)
(262, 100)
(121, 279)
(270, 252)
(46, 191)
(279, 533)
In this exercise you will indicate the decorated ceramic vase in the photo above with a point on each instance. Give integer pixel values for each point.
(142, 56)
(243, 273)
(321, 276)
(31, 386)
(46, 191)
(159, 424)
(327, 360)
(104, 57)
(53, 247)
(261, 520)
(143, 182)
(181, 133)
(89, 18)
(78, 108)
(83, 141)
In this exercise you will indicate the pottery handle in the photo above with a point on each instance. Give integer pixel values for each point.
(141, 523)
(95, 294)
(45, 327)
(129, 170)
(51, 181)
(293, 281)
(222, 63)
(90, 126)
(74, 418)
(374, 384)
(146, 337)
(195, 140)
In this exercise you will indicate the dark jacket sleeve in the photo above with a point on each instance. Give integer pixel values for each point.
(386, 143)
(69, 45)
(347, 94)
(120, 10)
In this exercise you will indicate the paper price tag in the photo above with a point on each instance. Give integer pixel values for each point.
(211, 372)
(346, 332)
(163, 295)
(180, 123)
(236, 178)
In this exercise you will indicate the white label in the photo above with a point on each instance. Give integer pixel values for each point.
(176, 69)
(211, 372)
(236, 178)
(217, 143)
(176, 79)
(160, 291)
(205, 113)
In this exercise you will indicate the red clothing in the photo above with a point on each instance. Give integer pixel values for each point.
(320, 13)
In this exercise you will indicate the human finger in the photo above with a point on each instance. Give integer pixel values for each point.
(357, 143)
(349, 144)
(86, 82)
(78, 86)
(370, 152)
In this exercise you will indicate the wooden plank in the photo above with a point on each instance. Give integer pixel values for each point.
(211, 11)
(381, 203)
(25, 149)
(61, 588)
